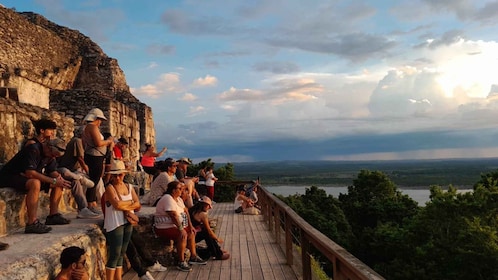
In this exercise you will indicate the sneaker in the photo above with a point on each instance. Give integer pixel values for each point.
(224, 256)
(197, 260)
(95, 210)
(87, 182)
(86, 213)
(157, 267)
(3, 246)
(183, 266)
(147, 276)
(37, 227)
(56, 219)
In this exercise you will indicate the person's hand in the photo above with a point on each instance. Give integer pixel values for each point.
(220, 240)
(79, 274)
(62, 183)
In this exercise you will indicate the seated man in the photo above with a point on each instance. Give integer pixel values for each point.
(73, 262)
(33, 169)
(72, 167)
(181, 175)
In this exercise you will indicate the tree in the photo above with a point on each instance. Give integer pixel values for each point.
(377, 212)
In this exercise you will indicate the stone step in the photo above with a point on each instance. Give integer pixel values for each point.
(13, 208)
(36, 256)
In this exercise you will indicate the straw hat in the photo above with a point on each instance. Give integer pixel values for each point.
(206, 200)
(117, 167)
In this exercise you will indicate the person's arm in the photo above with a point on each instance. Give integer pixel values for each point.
(81, 161)
(112, 196)
(97, 139)
(164, 149)
(56, 181)
(205, 221)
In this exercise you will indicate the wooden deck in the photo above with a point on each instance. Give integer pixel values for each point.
(254, 254)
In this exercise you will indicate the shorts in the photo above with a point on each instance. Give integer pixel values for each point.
(18, 182)
(168, 233)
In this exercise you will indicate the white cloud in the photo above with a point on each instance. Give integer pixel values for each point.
(207, 81)
(188, 97)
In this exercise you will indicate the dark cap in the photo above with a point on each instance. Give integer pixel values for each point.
(123, 141)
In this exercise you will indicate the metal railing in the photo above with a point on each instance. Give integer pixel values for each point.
(297, 233)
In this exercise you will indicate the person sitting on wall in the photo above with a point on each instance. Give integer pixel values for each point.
(160, 184)
(73, 168)
(33, 169)
(181, 175)
(172, 221)
(45, 130)
(73, 263)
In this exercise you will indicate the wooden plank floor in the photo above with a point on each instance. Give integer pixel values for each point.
(253, 251)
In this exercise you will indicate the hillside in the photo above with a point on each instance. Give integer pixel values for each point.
(414, 173)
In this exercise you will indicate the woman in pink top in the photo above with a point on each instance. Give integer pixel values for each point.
(149, 159)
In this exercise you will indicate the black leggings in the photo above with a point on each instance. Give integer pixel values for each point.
(213, 247)
(95, 170)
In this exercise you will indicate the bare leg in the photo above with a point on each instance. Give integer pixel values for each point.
(191, 245)
(109, 273)
(55, 199)
(181, 244)
(33, 187)
(118, 275)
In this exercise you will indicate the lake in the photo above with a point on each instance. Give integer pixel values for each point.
(419, 195)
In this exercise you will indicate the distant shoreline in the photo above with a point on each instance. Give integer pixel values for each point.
(462, 187)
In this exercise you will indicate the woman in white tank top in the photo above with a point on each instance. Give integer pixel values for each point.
(119, 198)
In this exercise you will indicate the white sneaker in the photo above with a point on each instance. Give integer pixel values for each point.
(86, 213)
(157, 267)
(147, 276)
(86, 182)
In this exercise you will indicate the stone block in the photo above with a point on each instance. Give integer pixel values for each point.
(13, 215)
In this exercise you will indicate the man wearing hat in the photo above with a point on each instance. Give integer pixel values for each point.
(181, 175)
(33, 169)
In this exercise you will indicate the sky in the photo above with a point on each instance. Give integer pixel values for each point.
(271, 80)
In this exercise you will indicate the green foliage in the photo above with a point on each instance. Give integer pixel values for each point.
(323, 212)
(377, 212)
(454, 236)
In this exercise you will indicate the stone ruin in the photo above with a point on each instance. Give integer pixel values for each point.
(53, 71)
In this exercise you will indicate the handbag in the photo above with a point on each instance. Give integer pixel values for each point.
(131, 217)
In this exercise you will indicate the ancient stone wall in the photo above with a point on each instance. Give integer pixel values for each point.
(34, 59)
(15, 119)
(51, 66)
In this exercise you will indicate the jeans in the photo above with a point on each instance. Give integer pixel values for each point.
(117, 243)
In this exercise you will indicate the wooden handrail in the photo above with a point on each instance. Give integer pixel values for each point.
(280, 217)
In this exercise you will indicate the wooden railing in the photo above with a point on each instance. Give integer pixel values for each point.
(297, 233)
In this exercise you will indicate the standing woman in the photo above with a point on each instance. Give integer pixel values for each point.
(149, 158)
(95, 151)
(120, 200)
